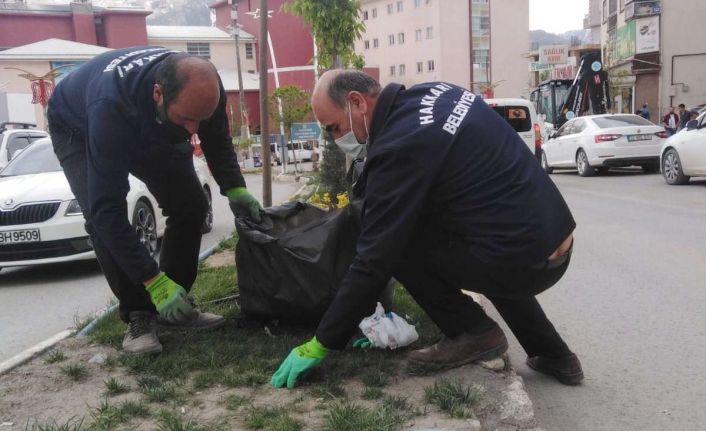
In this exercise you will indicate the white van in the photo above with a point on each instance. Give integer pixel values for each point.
(521, 115)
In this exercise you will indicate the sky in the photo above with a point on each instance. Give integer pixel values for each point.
(557, 16)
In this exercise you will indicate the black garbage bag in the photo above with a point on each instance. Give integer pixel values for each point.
(291, 264)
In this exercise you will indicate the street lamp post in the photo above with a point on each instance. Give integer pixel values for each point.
(257, 15)
(264, 114)
(244, 131)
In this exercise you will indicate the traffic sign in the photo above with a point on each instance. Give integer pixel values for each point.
(305, 131)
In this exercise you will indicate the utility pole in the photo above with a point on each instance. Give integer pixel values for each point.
(244, 130)
(264, 112)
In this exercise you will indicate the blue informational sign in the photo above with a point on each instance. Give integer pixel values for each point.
(305, 131)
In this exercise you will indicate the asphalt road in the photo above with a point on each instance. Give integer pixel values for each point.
(38, 302)
(632, 305)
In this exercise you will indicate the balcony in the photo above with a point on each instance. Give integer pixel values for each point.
(642, 8)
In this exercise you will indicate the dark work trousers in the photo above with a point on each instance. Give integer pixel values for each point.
(435, 269)
(168, 172)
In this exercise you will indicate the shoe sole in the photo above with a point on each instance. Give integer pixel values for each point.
(488, 355)
(214, 325)
(154, 351)
(567, 379)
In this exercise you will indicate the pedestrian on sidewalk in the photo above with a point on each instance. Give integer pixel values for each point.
(670, 121)
(645, 111)
(684, 117)
(452, 200)
(133, 111)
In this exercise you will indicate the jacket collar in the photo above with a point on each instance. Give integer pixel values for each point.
(382, 109)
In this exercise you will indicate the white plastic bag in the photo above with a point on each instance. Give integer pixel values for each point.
(387, 329)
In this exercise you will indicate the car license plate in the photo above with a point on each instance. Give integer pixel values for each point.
(633, 138)
(17, 236)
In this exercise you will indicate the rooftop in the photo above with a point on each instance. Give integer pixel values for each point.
(190, 32)
(53, 49)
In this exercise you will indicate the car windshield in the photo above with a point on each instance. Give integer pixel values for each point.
(621, 121)
(517, 116)
(36, 158)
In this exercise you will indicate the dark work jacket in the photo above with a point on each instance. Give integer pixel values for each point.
(439, 158)
(109, 101)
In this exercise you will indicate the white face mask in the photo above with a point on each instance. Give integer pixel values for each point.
(349, 144)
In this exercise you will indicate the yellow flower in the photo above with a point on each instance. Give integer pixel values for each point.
(342, 199)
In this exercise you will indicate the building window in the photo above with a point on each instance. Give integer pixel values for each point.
(391, 39)
(365, 15)
(375, 43)
(392, 70)
(430, 65)
(428, 1)
(400, 38)
(199, 49)
(251, 71)
(417, 3)
(367, 44)
(420, 66)
(389, 9)
(400, 6)
(418, 35)
(430, 32)
(248, 51)
(402, 69)
(375, 12)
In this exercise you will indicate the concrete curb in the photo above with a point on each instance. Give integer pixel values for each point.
(33, 351)
(41, 347)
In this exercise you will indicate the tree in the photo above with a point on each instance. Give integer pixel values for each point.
(335, 25)
(295, 106)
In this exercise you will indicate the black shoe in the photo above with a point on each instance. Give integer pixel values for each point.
(566, 369)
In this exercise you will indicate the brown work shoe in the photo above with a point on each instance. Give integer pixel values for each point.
(462, 349)
(566, 369)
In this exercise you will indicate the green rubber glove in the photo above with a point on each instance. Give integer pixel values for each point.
(243, 204)
(362, 343)
(170, 299)
(298, 363)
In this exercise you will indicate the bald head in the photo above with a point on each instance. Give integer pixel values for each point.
(186, 89)
(336, 84)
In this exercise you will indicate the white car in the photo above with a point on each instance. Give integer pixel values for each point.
(15, 137)
(683, 154)
(522, 116)
(41, 221)
(600, 142)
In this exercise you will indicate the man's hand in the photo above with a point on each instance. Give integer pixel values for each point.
(170, 299)
(362, 343)
(243, 204)
(300, 360)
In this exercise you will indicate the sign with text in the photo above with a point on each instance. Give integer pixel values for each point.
(305, 131)
(536, 67)
(647, 35)
(554, 54)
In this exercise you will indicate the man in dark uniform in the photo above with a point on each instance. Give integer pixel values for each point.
(453, 200)
(133, 111)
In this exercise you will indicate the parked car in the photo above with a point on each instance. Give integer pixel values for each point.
(15, 137)
(683, 154)
(41, 221)
(596, 143)
(521, 115)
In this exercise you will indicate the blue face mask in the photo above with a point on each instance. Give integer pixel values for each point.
(349, 144)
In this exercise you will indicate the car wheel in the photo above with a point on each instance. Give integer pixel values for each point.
(145, 225)
(585, 169)
(545, 165)
(208, 221)
(650, 168)
(671, 168)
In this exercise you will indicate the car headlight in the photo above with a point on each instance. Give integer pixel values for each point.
(74, 209)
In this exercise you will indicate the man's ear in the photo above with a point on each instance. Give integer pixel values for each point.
(358, 100)
(157, 94)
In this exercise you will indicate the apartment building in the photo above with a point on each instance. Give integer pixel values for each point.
(477, 44)
(654, 53)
